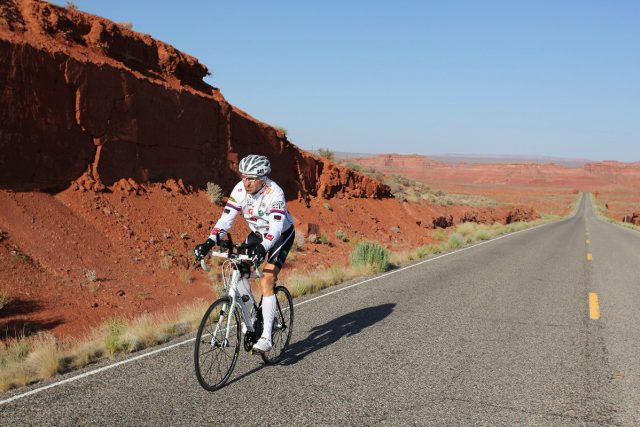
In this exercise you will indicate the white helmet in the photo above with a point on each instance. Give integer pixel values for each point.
(255, 165)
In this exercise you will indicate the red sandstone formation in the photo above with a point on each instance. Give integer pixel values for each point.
(587, 178)
(90, 100)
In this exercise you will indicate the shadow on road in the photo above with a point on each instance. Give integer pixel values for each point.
(344, 326)
(328, 333)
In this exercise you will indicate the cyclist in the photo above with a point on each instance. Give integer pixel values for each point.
(263, 206)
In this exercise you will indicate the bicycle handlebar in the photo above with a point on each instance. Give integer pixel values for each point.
(231, 255)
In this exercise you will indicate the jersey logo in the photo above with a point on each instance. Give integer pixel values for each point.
(277, 205)
(250, 211)
(277, 217)
(268, 237)
(260, 212)
(231, 199)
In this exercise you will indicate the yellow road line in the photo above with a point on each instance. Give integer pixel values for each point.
(589, 257)
(594, 306)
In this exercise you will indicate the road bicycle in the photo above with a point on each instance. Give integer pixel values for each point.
(220, 333)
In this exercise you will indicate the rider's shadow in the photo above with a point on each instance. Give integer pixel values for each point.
(330, 332)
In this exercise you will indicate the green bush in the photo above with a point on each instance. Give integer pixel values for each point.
(340, 235)
(455, 241)
(372, 254)
(326, 153)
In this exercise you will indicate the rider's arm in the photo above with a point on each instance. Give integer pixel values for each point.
(277, 214)
(231, 209)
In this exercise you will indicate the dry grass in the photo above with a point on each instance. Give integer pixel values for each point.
(215, 193)
(439, 234)
(45, 360)
(185, 276)
(28, 359)
(311, 282)
(4, 300)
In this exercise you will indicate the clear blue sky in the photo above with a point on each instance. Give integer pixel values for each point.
(555, 78)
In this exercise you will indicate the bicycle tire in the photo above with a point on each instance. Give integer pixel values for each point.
(282, 326)
(213, 363)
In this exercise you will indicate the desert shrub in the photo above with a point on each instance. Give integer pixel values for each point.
(340, 235)
(324, 240)
(215, 193)
(439, 234)
(71, 5)
(298, 243)
(326, 153)
(44, 360)
(455, 241)
(517, 226)
(128, 25)
(165, 262)
(114, 328)
(185, 276)
(353, 166)
(466, 229)
(328, 207)
(4, 300)
(91, 275)
(281, 130)
(370, 253)
(313, 238)
(482, 234)
(395, 229)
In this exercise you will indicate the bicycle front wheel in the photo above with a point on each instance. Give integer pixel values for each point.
(216, 352)
(282, 326)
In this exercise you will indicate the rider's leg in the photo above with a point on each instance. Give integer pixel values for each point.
(267, 283)
(244, 288)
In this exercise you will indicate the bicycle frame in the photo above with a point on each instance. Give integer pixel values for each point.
(231, 286)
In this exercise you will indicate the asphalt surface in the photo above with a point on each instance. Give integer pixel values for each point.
(497, 334)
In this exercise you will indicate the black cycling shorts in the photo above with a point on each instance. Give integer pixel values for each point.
(279, 250)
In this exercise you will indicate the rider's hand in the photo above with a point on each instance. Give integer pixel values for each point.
(257, 254)
(203, 249)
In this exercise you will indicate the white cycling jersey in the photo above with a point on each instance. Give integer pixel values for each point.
(265, 212)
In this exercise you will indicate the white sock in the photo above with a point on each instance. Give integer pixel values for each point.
(244, 288)
(268, 313)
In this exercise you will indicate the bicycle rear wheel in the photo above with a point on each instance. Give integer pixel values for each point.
(214, 355)
(282, 326)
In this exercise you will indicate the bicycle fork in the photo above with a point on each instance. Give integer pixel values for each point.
(229, 312)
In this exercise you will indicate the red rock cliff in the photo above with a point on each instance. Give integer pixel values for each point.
(85, 97)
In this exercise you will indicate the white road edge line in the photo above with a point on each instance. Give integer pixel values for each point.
(169, 347)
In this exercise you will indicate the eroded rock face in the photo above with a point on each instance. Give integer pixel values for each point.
(87, 99)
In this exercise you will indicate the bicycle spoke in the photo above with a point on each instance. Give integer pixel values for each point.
(215, 357)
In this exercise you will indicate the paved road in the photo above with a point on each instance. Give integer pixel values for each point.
(497, 334)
